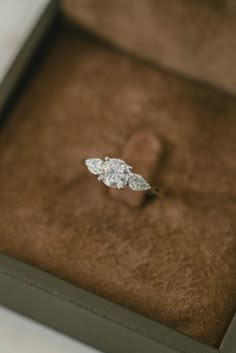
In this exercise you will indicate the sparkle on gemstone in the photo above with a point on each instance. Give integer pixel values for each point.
(94, 165)
(115, 173)
(138, 183)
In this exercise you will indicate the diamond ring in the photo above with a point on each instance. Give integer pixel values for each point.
(115, 173)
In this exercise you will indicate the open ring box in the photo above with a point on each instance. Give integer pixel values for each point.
(159, 278)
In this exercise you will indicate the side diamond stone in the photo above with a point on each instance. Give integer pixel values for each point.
(94, 165)
(138, 183)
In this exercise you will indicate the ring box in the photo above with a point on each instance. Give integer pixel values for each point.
(63, 305)
(22, 27)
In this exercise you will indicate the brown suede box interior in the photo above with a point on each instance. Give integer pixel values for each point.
(173, 259)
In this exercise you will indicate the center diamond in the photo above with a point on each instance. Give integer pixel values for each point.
(115, 173)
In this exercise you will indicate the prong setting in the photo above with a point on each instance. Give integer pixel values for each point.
(115, 173)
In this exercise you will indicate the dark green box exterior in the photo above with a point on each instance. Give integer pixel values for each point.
(92, 319)
(20, 64)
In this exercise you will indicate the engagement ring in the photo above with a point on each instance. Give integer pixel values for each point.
(115, 173)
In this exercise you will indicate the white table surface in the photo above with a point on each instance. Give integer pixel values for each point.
(18, 334)
(17, 20)
(21, 335)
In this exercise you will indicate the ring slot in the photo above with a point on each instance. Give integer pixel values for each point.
(143, 152)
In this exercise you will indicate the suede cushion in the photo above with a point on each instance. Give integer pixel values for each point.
(194, 37)
(174, 258)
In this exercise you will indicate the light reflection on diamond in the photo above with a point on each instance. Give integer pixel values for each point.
(138, 183)
(94, 165)
(115, 173)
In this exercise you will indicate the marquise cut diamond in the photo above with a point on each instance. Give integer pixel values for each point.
(138, 183)
(94, 165)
